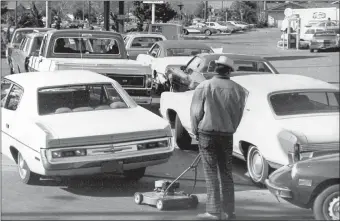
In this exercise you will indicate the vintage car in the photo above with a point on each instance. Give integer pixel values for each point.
(232, 27)
(200, 29)
(281, 111)
(219, 26)
(77, 122)
(312, 184)
(16, 39)
(99, 51)
(170, 53)
(324, 40)
(202, 67)
(140, 43)
(29, 46)
(242, 25)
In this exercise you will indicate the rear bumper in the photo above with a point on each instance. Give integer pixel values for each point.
(96, 167)
(322, 46)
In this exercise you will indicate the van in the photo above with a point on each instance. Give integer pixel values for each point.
(170, 31)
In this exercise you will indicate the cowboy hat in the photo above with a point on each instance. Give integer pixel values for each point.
(223, 60)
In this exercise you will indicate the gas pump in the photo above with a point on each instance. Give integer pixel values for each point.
(292, 38)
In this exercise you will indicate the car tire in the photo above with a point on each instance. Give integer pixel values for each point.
(25, 174)
(207, 32)
(186, 32)
(135, 174)
(325, 203)
(311, 50)
(182, 136)
(257, 166)
(138, 198)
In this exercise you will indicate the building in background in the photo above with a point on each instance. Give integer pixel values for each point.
(275, 12)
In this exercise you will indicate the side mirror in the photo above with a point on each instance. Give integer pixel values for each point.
(153, 54)
(183, 68)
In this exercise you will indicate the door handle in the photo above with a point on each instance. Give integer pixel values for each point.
(7, 125)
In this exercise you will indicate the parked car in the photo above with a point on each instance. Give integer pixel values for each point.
(170, 53)
(219, 26)
(232, 27)
(312, 184)
(16, 39)
(140, 43)
(29, 46)
(202, 67)
(324, 40)
(281, 111)
(239, 24)
(79, 123)
(200, 29)
(99, 51)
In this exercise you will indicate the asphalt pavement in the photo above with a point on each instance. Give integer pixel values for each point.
(111, 198)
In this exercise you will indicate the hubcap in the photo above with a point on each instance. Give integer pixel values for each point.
(22, 166)
(256, 165)
(137, 198)
(333, 208)
(159, 204)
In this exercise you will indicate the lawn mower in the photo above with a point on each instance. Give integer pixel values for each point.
(166, 197)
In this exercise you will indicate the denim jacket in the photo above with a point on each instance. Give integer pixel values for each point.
(217, 106)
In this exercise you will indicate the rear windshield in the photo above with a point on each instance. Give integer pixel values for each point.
(79, 98)
(144, 42)
(19, 35)
(304, 103)
(186, 51)
(245, 66)
(87, 45)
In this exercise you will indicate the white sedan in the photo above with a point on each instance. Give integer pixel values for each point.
(78, 122)
(282, 113)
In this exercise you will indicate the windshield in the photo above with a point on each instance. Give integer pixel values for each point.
(19, 35)
(297, 103)
(79, 98)
(87, 45)
(186, 51)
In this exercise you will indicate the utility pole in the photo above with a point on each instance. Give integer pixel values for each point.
(89, 13)
(15, 13)
(121, 16)
(180, 9)
(48, 14)
(84, 12)
(153, 10)
(107, 15)
(206, 11)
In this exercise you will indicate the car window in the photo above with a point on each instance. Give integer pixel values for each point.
(79, 98)
(13, 98)
(27, 44)
(88, 45)
(5, 87)
(186, 51)
(22, 44)
(304, 103)
(194, 64)
(155, 50)
(144, 42)
(250, 66)
(157, 28)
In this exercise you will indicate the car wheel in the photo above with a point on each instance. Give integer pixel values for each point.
(311, 50)
(186, 32)
(182, 136)
(257, 166)
(26, 175)
(138, 198)
(135, 174)
(326, 205)
(207, 32)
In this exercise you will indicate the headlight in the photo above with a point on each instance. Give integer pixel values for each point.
(148, 80)
(152, 145)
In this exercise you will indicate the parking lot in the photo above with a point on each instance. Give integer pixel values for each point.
(107, 198)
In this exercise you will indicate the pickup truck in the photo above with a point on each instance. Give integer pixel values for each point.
(15, 42)
(140, 43)
(29, 46)
(98, 51)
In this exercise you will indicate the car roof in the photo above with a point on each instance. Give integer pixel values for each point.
(233, 56)
(85, 31)
(166, 24)
(34, 28)
(144, 34)
(183, 44)
(281, 82)
(34, 34)
(35, 80)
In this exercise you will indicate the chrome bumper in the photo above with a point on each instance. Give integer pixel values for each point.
(277, 191)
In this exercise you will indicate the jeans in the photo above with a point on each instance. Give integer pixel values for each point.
(216, 153)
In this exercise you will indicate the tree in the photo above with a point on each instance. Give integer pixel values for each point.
(242, 11)
(32, 19)
(163, 12)
(4, 11)
(199, 11)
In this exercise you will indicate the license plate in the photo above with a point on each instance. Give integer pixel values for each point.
(112, 166)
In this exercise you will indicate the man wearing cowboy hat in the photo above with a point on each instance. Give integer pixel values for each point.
(216, 111)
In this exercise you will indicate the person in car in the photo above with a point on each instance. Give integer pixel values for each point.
(60, 47)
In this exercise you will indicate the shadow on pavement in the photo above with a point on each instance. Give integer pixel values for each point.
(280, 58)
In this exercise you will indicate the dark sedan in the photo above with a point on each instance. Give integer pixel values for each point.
(202, 67)
(312, 184)
(324, 40)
